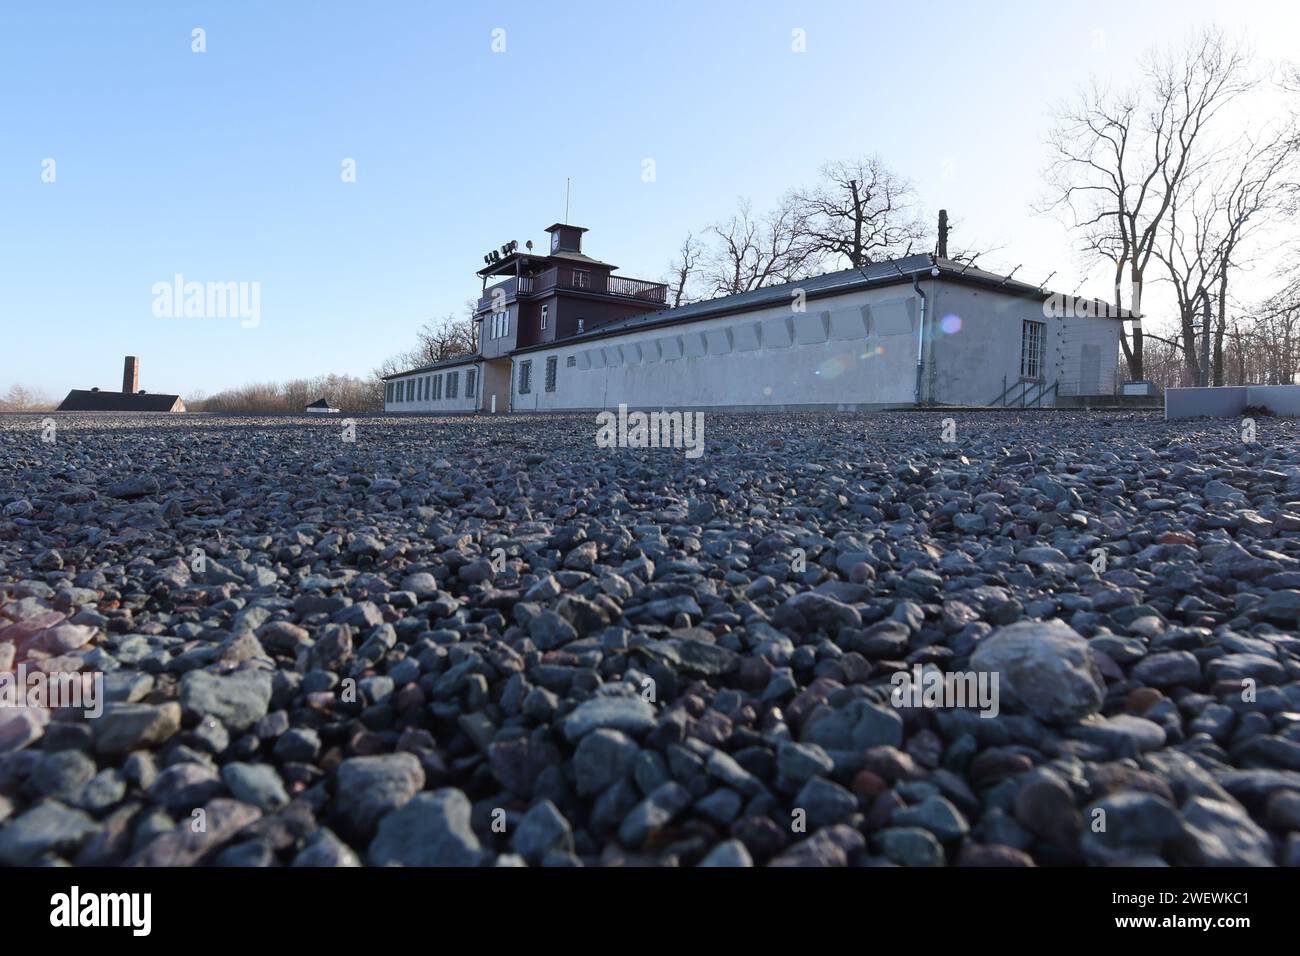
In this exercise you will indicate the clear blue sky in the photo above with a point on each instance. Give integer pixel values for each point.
(225, 166)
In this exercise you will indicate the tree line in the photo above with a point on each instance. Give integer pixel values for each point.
(858, 211)
(1162, 183)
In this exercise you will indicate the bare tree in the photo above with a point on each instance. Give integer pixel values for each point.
(860, 211)
(447, 338)
(684, 270)
(1243, 203)
(1205, 239)
(1118, 159)
(752, 252)
(20, 398)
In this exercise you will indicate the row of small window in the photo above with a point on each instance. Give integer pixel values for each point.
(526, 375)
(430, 388)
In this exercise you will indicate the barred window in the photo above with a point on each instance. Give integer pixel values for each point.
(410, 389)
(525, 377)
(437, 388)
(471, 377)
(571, 361)
(453, 384)
(551, 363)
(1031, 349)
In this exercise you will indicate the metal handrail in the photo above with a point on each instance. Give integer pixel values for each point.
(1023, 399)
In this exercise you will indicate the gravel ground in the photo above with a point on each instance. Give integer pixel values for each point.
(489, 642)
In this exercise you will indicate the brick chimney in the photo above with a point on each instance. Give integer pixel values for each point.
(131, 375)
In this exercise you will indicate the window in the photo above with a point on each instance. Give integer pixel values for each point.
(470, 376)
(501, 324)
(422, 390)
(571, 361)
(410, 389)
(545, 310)
(551, 362)
(581, 279)
(1031, 349)
(437, 388)
(453, 384)
(525, 377)
(580, 326)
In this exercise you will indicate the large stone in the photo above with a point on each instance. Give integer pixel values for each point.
(369, 788)
(20, 726)
(825, 802)
(653, 813)
(431, 829)
(799, 763)
(1221, 834)
(602, 757)
(255, 783)
(123, 728)
(810, 610)
(857, 726)
(48, 827)
(1168, 669)
(1129, 824)
(187, 844)
(631, 715)
(325, 849)
(935, 814)
(542, 831)
(1044, 667)
(238, 699)
(729, 853)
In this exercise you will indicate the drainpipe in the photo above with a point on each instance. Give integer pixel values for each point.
(920, 338)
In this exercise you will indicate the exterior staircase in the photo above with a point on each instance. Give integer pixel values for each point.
(1026, 394)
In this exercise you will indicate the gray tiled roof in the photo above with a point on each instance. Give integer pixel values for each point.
(85, 400)
(877, 273)
(445, 363)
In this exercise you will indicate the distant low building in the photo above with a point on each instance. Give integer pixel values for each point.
(130, 399)
(320, 407)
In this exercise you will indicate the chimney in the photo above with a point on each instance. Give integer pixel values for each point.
(942, 251)
(131, 375)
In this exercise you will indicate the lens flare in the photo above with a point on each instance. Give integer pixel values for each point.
(835, 366)
(950, 324)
